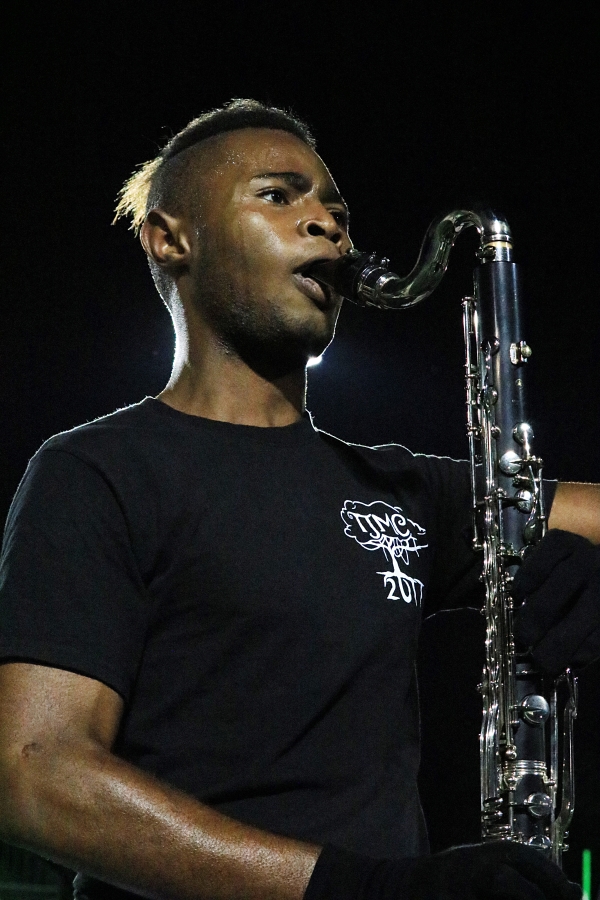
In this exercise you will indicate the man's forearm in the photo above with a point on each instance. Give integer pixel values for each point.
(91, 811)
(576, 508)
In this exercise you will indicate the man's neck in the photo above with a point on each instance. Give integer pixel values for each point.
(233, 392)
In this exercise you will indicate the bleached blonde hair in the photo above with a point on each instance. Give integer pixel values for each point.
(132, 199)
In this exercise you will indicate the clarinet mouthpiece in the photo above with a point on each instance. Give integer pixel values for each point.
(362, 278)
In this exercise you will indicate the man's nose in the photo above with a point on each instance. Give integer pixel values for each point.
(322, 224)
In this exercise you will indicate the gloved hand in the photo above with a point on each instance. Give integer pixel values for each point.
(560, 620)
(499, 871)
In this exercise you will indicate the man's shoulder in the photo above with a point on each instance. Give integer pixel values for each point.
(123, 423)
(130, 440)
(392, 457)
(144, 431)
(124, 455)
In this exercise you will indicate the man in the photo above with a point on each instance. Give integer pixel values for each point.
(210, 609)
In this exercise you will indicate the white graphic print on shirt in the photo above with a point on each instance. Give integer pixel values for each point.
(379, 526)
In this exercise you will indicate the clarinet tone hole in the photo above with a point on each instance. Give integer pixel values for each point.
(524, 501)
(523, 433)
(540, 842)
(510, 462)
(534, 709)
(539, 805)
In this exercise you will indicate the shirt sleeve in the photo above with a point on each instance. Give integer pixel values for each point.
(71, 595)
(455, 580)
(455, 573)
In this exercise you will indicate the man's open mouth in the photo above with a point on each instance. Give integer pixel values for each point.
(307, 279)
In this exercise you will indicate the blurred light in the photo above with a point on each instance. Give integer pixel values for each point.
(586, 875)
(314, 360)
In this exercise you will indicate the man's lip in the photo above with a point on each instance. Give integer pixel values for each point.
(313, 289)
(309, 272)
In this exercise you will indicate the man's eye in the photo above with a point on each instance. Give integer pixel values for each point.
(340, 217)
(275, 195)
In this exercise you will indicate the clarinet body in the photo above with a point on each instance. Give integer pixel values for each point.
(526, 741)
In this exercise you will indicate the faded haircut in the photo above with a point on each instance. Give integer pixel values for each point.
(162, 180)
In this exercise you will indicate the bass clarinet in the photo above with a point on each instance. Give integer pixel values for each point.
(526, 741)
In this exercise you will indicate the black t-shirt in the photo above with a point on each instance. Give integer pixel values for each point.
(254, 595)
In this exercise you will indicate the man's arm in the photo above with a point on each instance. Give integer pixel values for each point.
(64, 794)
(576, 508)
(559, 582)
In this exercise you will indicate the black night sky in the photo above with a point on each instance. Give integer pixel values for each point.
(417, 107)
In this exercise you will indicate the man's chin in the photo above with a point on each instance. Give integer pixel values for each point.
(299, 352)
(285, 354)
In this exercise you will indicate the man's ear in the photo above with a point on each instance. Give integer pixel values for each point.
(165, 239)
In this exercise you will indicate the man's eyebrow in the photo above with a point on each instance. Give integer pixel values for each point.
(301, 182)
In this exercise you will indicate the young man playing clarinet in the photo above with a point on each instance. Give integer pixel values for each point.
(210, 610)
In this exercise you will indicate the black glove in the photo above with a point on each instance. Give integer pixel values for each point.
(500, 871)
(559, 622)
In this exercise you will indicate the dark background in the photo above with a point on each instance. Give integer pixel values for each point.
(417, 107)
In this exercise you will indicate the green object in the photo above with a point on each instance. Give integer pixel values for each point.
(586, 875)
